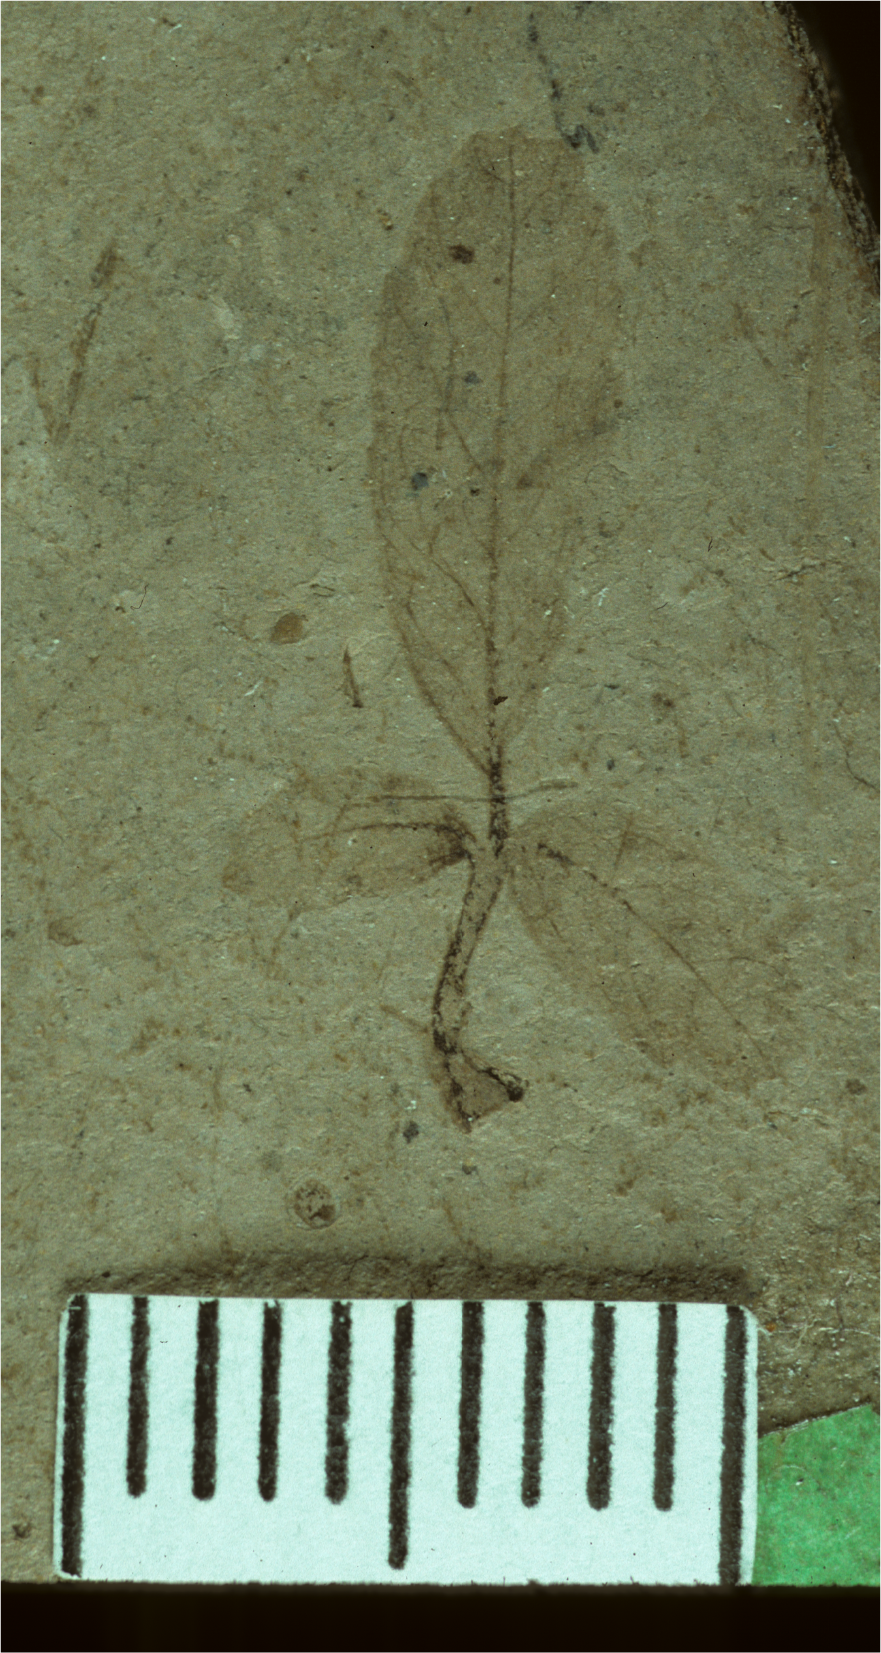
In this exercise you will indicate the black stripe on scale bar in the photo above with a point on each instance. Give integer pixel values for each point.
(665, 1406)
(339, 1369)
(399, 1490)
(267, 1471)
(533, 1404)
(733, 1447)
(138, 1412)
(205, 1411)
(602, 1366)
(469, 1403)
(76, 1347)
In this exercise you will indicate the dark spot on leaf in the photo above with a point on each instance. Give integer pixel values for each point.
(287, 629)
(418, 480)
(462, 255)
(411, 1130)
(471, 379)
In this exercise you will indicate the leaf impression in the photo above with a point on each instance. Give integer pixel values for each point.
(652, 932)
(492, 384)
(385, 839)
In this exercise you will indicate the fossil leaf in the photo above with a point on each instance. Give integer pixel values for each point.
(314, 846)
(689, 966)
(493, 380)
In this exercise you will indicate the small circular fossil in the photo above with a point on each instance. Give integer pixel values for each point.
(315, 1205)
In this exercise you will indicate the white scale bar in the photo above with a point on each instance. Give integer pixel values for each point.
(238, 1440)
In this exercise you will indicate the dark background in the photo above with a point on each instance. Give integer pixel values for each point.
(845, 37)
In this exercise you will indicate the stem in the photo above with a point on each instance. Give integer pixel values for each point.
(498, 803)
(473, 1088)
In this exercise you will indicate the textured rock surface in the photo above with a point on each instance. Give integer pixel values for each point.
(239, 835)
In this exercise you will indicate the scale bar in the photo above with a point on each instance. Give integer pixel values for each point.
(301, 1419)
(339, 1368)
(599, 1471)
(733, 1447)
(267, 1478)
(469, 1404)
(665, 1431)
(73, 1460)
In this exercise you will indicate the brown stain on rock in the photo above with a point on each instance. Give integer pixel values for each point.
(58, 411)
(288, 628)
(62, 932)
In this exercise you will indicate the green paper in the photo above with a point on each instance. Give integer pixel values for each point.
(818, 1502)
